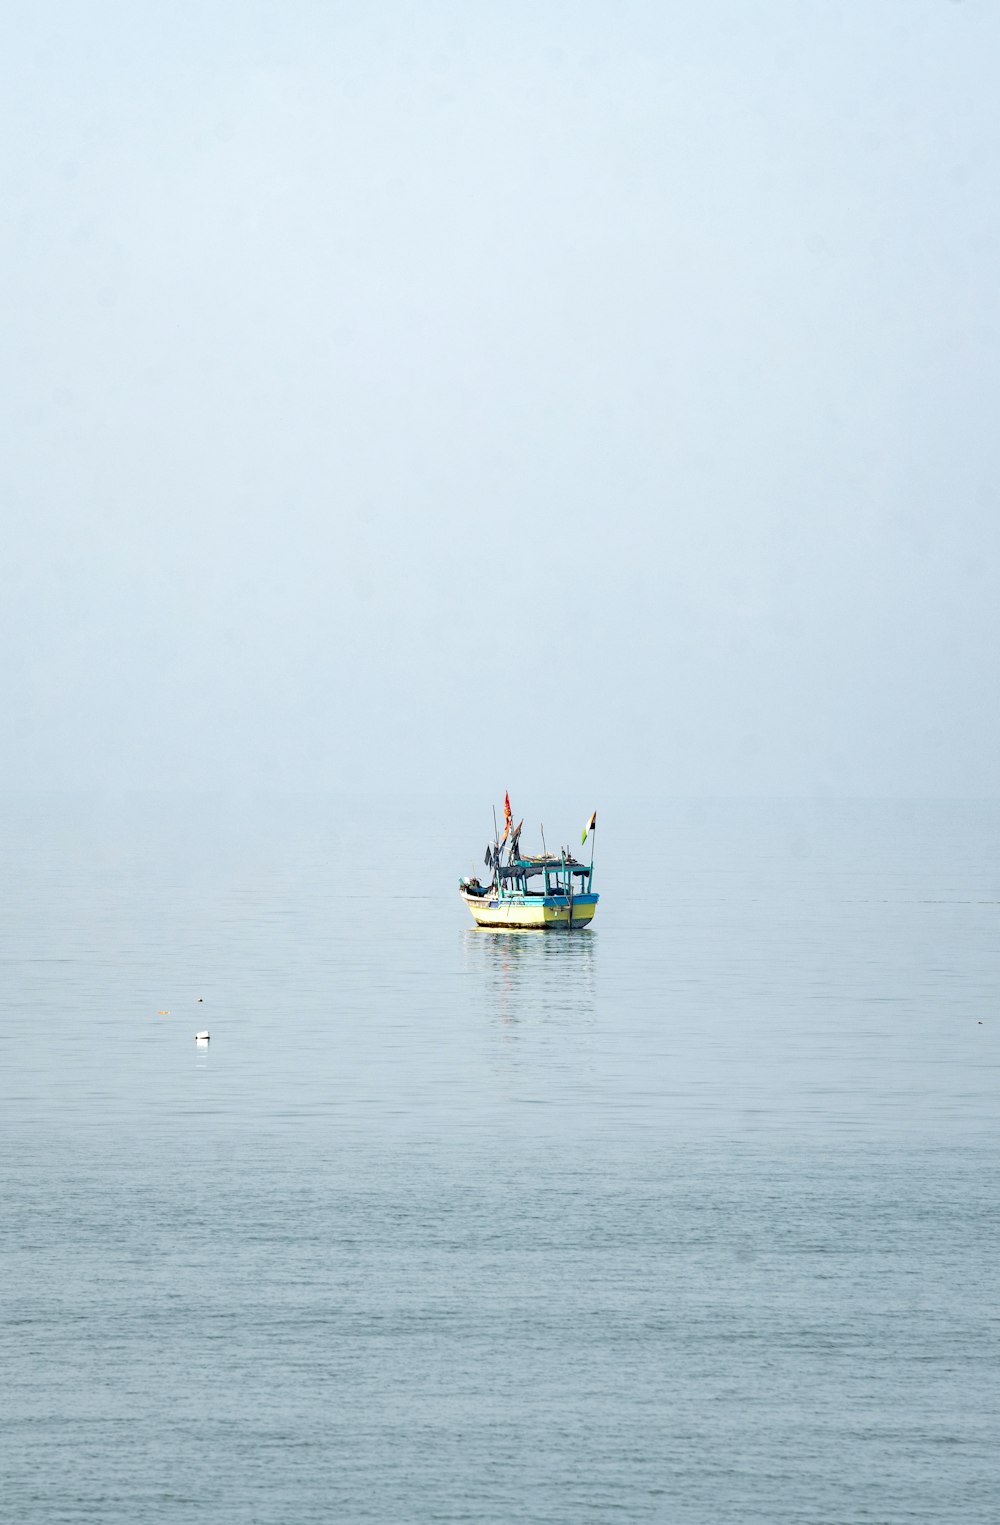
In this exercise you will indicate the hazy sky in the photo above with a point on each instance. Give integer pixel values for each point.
(478, 395)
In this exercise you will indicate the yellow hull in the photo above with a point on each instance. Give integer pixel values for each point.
(515, 913)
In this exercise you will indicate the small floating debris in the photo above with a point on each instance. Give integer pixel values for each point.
(163, 1013)
(200, 999)
(202, 1037)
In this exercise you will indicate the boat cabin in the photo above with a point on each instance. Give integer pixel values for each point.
(545, 877)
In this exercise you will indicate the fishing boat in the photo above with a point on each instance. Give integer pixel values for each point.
(552, 892)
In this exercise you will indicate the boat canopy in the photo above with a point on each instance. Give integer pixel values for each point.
(526, 868)
(548, 860)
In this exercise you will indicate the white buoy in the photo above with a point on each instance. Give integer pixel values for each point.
(202, 1037)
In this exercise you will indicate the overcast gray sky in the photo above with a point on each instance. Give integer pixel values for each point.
(457, 395)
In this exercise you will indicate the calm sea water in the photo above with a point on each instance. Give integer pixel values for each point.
(690, 1218)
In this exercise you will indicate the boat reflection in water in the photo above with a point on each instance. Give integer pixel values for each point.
(536, 981)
